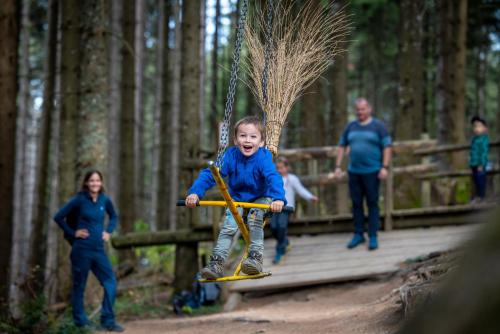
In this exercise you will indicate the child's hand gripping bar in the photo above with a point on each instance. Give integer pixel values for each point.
(244, 205)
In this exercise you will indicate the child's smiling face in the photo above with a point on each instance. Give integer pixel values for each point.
(248, 139)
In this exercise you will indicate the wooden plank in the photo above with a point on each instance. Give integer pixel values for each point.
(389, 193)
(449, 148)
(325, 255)
(432, 216)
(140, 239)
(339, 241)
(311, 263)
(326, 152)
(456, 173)
(326, 178)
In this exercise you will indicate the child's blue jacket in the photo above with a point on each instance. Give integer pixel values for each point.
(248, 178)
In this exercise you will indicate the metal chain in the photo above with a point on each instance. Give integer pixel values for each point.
(224, 139)
(268, 49)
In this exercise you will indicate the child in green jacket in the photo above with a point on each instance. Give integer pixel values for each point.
(478, 158)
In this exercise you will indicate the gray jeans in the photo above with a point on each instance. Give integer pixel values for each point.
(255, 222)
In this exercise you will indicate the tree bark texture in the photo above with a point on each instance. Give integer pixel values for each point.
(186, 263)
(22, 185)
(115, 63)
(338, 114)
(312, 129)
(214, 101)
(41, 214)
(139, 141)
(127, 163)
(175, 120)
(67, 183)
(92, 150)
(451, 76)
(9, 35)
(409, 116)
(161, 170)
(92, 142)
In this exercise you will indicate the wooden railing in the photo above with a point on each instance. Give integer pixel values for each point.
(312, 165)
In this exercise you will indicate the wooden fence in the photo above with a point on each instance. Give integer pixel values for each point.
(312, 166)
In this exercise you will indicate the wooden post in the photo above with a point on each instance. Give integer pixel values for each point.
(312, 169)
(425, 185)
(389, 199)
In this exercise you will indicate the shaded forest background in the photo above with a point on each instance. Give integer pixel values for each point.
(137, 89)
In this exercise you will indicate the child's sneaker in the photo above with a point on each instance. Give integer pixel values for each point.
(214, 268)
(252, 264)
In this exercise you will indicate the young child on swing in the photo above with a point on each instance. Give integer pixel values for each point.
(251, 177)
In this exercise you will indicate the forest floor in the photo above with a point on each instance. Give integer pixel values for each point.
(370, 306)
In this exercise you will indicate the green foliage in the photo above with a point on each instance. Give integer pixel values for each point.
(143, 303)
(35, 319)
(462, 195)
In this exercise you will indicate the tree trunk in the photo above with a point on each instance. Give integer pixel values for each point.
(115, 63)
(409, 116)
(214, 102)
(127, 171)
(203, 129)
(451, 76)
(429, 50)
(67, 183)
(22, 208)
(338, 115)
(41, 214)
(93, 117)
(312, 119)
(186, 255)
(92, 142)
(162, 125)
(9, 35)
(139, 141)
(176, 114)
(480, 55)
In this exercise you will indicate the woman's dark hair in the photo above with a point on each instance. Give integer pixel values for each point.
(86, 178)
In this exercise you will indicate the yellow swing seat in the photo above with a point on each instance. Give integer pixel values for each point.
(232, 206)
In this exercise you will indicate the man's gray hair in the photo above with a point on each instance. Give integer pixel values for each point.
(361, 99)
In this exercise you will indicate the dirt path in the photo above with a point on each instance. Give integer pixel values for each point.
(364, 307)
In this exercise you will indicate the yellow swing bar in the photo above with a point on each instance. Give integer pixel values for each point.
(232, 206)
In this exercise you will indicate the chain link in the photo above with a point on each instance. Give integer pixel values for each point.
(224, 137)
(268, 50)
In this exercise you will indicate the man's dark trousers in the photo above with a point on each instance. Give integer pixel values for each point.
(279, 229)
(82, 261)
(365, 186)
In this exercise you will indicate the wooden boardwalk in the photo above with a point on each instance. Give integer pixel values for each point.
(324, 259)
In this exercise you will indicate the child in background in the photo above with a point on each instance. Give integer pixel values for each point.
(251, 177)
(279, 222)
(478, 158)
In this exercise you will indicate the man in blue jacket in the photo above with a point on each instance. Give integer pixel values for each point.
(369, 157)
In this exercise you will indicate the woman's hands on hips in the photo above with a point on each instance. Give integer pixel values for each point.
(106, 236)
(82, 233)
